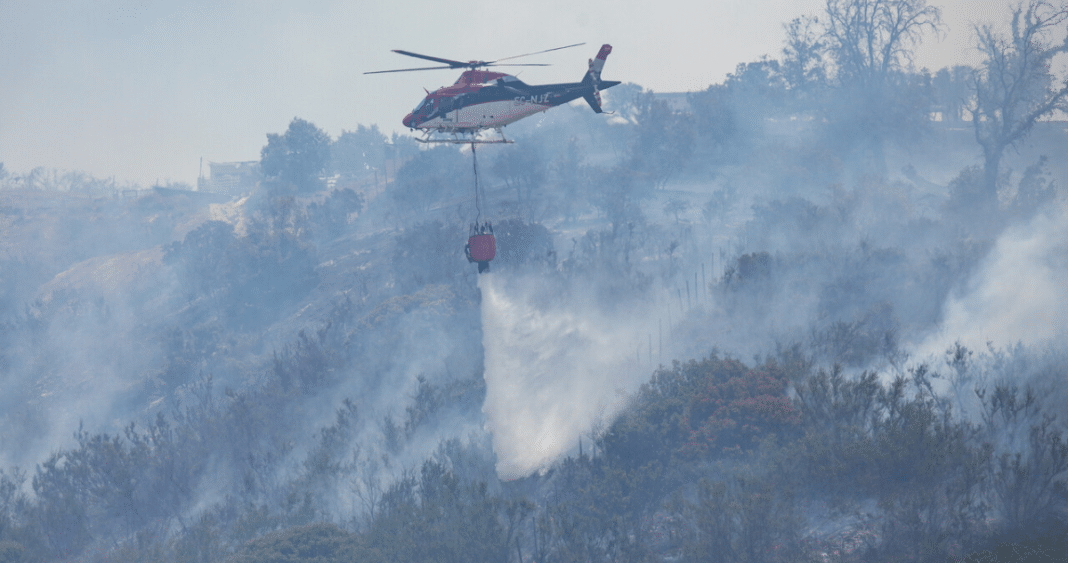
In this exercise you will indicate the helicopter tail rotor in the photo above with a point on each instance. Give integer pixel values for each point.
(593, 75)
(593, 79)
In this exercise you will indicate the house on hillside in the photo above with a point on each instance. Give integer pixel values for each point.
(230, 178)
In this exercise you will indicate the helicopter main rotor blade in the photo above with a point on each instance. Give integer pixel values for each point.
(450, 62)
(469, 64)
(408, 69)
(538, 52)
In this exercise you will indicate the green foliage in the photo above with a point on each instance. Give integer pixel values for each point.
(720, 129)
(1035, 191)
(705, 409)
(749, 270)
(429, 253)
(252, 276)
(876, 438)
(307, 364)
(951, 90)
(745, 519)
(431, 176)
(603, 507)
(432, 402)
(331, 455)
(734, 407)
(356, 154)
(857, 341)
(427, 402)
(596, 512)
(204, 252)
(1029, 485)
(523, 169)
(570, 180)
(298, 157)
(314, 543)
(969, 201)
(13, 501)
(934, 476)
(613, 255)
(663, 143)
(434, 517)
(111, 484)
(1034, 551)
(804, 66)
(332, 215)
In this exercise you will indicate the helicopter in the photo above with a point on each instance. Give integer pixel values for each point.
(482, 99)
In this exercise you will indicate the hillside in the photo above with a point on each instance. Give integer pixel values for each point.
(746, 328)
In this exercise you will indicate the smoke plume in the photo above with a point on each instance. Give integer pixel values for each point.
(1019, 293)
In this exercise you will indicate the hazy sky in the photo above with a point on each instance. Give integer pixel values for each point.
(140, 91)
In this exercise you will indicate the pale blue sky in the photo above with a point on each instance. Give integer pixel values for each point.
(140, 91)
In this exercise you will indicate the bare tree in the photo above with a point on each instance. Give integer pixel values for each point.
(869, 39)
(1014, 87)
(869, 48)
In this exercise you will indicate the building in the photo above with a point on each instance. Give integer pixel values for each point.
(230, 178)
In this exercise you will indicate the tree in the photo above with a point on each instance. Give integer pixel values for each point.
(1029, 485)
(675, 206)
(870, 39)
(246, 277)
(429, 253)
(804, 65)
(523, 170)
(205, 253)
(664, 141)
(729, 118)
(719, 127)
(742, 519)
(952, 92)
(572, 179)
(431, 176)
(433, 516)
(734, 406)
(297, 157)
(870, 44)
(331, 217)
(356, 153)
(1014, 87)
(321, 542)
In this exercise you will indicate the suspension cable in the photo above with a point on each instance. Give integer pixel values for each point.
(478, 195)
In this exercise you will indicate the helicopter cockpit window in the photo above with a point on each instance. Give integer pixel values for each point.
(509, 80)
(421, 105)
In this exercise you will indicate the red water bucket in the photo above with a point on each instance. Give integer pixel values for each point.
(482, 248)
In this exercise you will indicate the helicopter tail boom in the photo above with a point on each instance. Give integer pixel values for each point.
(594, 98)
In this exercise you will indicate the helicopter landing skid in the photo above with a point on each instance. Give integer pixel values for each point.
(470, 139)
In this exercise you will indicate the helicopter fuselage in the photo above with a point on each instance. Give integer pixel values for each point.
(483, 100)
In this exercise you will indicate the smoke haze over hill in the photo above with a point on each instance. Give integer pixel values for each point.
(795, 314)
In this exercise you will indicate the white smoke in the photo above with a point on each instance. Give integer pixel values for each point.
(1019, 294)
(557, 367)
